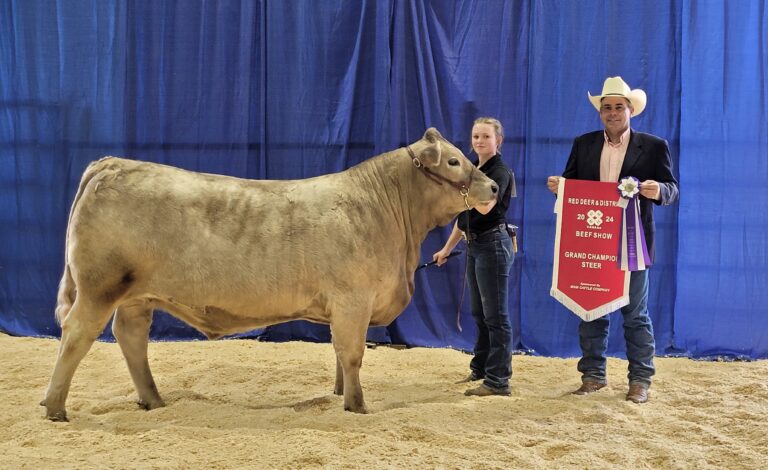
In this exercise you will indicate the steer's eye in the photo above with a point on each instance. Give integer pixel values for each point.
(454, 162)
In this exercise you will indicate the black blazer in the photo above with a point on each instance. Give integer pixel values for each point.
(647, 158)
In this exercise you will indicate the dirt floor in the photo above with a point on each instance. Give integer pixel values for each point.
(246, 404)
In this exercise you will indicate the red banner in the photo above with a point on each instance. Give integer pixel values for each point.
(586, 277)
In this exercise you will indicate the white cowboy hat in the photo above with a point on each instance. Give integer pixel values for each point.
(615, 86)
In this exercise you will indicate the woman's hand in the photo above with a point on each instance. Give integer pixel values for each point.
(441, 256)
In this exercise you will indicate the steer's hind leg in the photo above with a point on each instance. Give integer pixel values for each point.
(348, 328)
(83, 324)
(338, 389)
(131, 329)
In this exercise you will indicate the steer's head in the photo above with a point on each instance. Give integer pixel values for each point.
(449, 177)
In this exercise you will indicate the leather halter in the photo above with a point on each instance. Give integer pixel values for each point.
(462, 186)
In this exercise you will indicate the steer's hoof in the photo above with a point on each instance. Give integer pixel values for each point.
(358, 409)
(151, 405)
(57, 416)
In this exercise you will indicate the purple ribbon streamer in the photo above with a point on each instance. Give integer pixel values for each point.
(632, 235)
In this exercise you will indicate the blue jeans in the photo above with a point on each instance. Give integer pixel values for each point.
(638, 334)
(488, 263)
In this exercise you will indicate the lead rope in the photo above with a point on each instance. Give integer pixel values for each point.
(464, 193)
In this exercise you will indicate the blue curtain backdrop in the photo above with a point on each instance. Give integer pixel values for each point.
(297, 88)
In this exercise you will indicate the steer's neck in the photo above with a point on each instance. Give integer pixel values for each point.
(392, 181)
(418, 224)
(421, 201)
(409, 203)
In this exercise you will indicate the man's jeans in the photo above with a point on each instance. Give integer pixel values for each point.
(638, 334)
(489, 261)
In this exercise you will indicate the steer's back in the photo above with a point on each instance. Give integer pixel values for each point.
(197, 241)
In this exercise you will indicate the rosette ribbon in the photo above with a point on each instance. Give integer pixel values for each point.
(633, 251)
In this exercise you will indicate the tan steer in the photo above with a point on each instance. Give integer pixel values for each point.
(228, 255)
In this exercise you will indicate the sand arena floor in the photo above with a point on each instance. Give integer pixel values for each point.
(246, 404)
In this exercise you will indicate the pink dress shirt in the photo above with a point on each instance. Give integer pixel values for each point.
(612, 157)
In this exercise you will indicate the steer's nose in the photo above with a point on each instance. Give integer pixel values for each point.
(494, 188)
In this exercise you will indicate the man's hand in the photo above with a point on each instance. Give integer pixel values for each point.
(552, 183)
(650, 189)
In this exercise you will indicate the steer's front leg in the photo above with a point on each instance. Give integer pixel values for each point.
(348, 327)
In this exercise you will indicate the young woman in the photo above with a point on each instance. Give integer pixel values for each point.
(490, 257)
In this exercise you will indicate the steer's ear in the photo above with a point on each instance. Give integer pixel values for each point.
(430, 155)
(432, 135)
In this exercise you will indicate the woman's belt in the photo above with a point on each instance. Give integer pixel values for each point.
(492, 230)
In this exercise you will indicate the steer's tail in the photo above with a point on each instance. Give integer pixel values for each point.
(67, 288)
(66, 295)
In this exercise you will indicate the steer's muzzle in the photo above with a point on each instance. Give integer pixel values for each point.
(483, 189)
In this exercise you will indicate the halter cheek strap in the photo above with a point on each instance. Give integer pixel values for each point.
(462, 186)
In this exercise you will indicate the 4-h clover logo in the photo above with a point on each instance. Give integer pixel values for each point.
(595, 218)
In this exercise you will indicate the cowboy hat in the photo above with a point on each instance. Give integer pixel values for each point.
(615, 86)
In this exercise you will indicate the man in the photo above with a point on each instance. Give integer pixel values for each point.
(608, 155)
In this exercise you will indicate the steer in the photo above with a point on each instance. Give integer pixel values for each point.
(228, 255)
